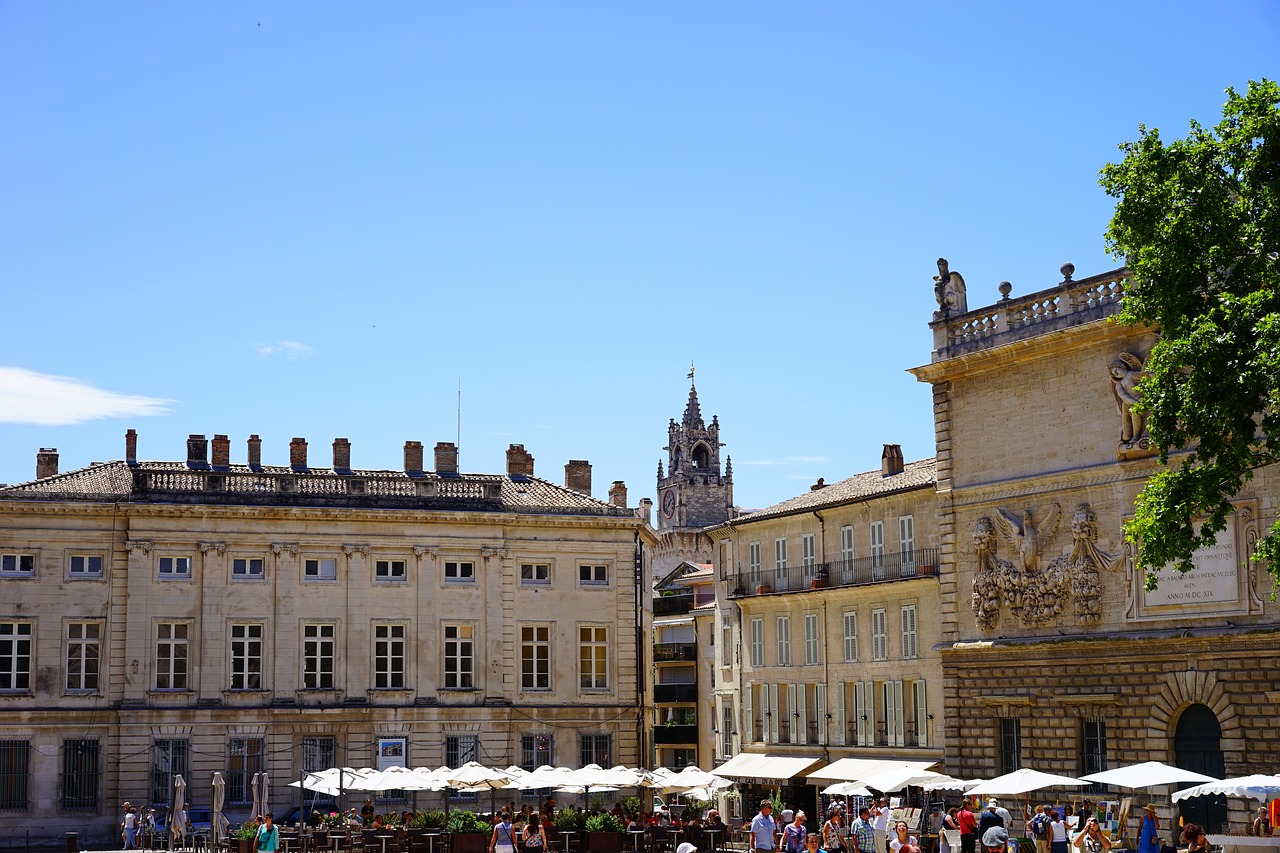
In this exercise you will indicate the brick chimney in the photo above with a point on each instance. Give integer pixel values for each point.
(645, 510)
(618, 494)
(891, 460)
(131, 447)
(519, 461)
(413, 457)
(298, 454)
(221, 458)
(255, 452)
(46, 462)
(446, 457)
(341, 454)
(821, 484)
(197, 451)
(577, 476)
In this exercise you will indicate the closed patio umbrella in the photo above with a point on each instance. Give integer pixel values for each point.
(257, 796)
(179, 801)
(218, 828)
(264, 792)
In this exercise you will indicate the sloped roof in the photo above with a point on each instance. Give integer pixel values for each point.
(870, 484)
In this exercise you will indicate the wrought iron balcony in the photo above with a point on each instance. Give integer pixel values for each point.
(880, 568)
(673, 605)
(671, 694)
(667, 652)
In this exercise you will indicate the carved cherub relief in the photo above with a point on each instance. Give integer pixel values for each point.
(949, 290)
(1125, 372)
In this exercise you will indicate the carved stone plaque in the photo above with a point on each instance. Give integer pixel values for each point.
(1215, 579)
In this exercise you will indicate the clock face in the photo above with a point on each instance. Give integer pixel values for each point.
(669, 503)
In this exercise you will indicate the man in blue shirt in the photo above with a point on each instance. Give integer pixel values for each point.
(863, 835)
(764, 829)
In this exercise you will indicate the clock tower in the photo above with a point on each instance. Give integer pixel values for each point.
(693, 491)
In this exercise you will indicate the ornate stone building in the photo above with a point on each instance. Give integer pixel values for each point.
(1054, 654)
(199, 616)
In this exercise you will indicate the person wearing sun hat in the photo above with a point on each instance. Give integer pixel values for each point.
(1149, 835)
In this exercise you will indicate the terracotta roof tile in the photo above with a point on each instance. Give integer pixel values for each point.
(870, 484)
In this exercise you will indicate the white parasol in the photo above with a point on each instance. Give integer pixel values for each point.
(947, 783)
(1025, 781)
(899, 778)
(257, 796)
(219, 822)
(264, 792)
(1256, 787)
(1148, 774)
(846, 789)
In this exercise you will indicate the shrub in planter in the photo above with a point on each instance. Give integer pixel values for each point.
(604, 833)
(569, 819)
(468, 832)
(429, 820)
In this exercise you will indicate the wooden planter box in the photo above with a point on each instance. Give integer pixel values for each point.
(819, 583)
(604, 842)
(469, 842)
(763, 589)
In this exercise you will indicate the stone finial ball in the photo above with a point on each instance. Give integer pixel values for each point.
(1068, 269)
(1005, 289)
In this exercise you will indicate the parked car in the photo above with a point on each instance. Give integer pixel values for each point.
(201, 819)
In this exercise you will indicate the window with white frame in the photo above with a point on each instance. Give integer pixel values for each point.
(593, 575)
(593, 658)
(17, 565)
(84, 655)
(15, 655)
(757, 642)
(877, 550)
(850, 636)
(907, 543)
(459, 657)
(812, 642)
(459, 571)
(753, 562)
(784, 641)
(780, 563)
(84, 566)
(879, 635)
(389, 571)
(246, 656)
(388, 657)
(535, 657)
(909, 647)
(319, 646)
(535, 573)
(175, 567)
(248, 568)
(173, 650)
(809, 555)
(320, 569)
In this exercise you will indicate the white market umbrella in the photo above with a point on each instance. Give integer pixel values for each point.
(1256, 787)
(1025, 781)
(547, 776)
(691, 778)
(219, 828)
(474, 776)
(403, 779)
(264, 792)
(895, 780)
(947, 783)
(1148, 774)
(257, 796)
(846, 789)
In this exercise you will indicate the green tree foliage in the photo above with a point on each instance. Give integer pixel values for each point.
(1198, 222)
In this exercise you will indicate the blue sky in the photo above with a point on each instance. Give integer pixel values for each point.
(316, 219)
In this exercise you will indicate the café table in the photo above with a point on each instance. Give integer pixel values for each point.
(568, 838)
(637, 835)
(711, 832)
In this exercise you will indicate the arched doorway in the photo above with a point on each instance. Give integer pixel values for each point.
(1197, 745)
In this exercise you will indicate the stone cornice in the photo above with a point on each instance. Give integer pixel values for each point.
(1110, 645)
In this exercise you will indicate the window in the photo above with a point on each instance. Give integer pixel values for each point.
(846, 554)
(726, 729)
(175, 567)
(320, 569)
(84, 652)
(246, 656)
(15, 759)
(535, 751)
(167, 758)
(593, 575)
(894, 718)
(388, 657)
(535, 658)
(244, 760)
(18, 565)
(459, 657)
(757, 642)
(388, 570)
(784, 641)
(681, 757)
(780, 563)
(1010, 744)
(246, 568)
(850, 636)
(922, 712)
(809, 555)
(593, 658)
(1093, 748)
(879, 635)
(172, 655)
(909, 649)
(459, 571)
(317, 656)
(877, 550)
(81, 773)
(320, 753)
(535, 573)
(753, 562)
(812, 656)
(596, 749)
(85, 566)
(15, 655)
(459, 749)
(907, 543)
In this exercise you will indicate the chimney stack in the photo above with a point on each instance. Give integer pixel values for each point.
(221, 458)
(413, 457)
(46, 462)
(131, 447)
(197, 451)
(577, 476)
(618, 494)
(891, 460)
(645, 510)
(446, 457)
(821, 484)
(519, 461)
(255, 452)
(341, 455)
(298, 454)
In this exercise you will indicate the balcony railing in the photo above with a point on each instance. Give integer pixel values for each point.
(673, 605)
(675, 734)
(878, 568)
(670, 694)
(667, 652)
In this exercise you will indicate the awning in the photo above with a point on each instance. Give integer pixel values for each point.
(857, 769)
(757, 765)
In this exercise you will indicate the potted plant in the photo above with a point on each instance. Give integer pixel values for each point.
(468, 832)
(763, 589)
(245, 836)
(604, 833)
(569, 819)
(430, 820)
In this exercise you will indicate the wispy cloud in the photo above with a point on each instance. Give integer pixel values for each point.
(290, 349)
(27, 397)
(785, 460)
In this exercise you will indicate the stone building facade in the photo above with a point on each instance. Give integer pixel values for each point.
(1054, 655)
(199, 616)
(684, 722)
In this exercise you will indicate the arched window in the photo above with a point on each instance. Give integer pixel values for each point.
(701, 457)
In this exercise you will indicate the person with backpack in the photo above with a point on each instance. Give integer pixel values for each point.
(1039, 829)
